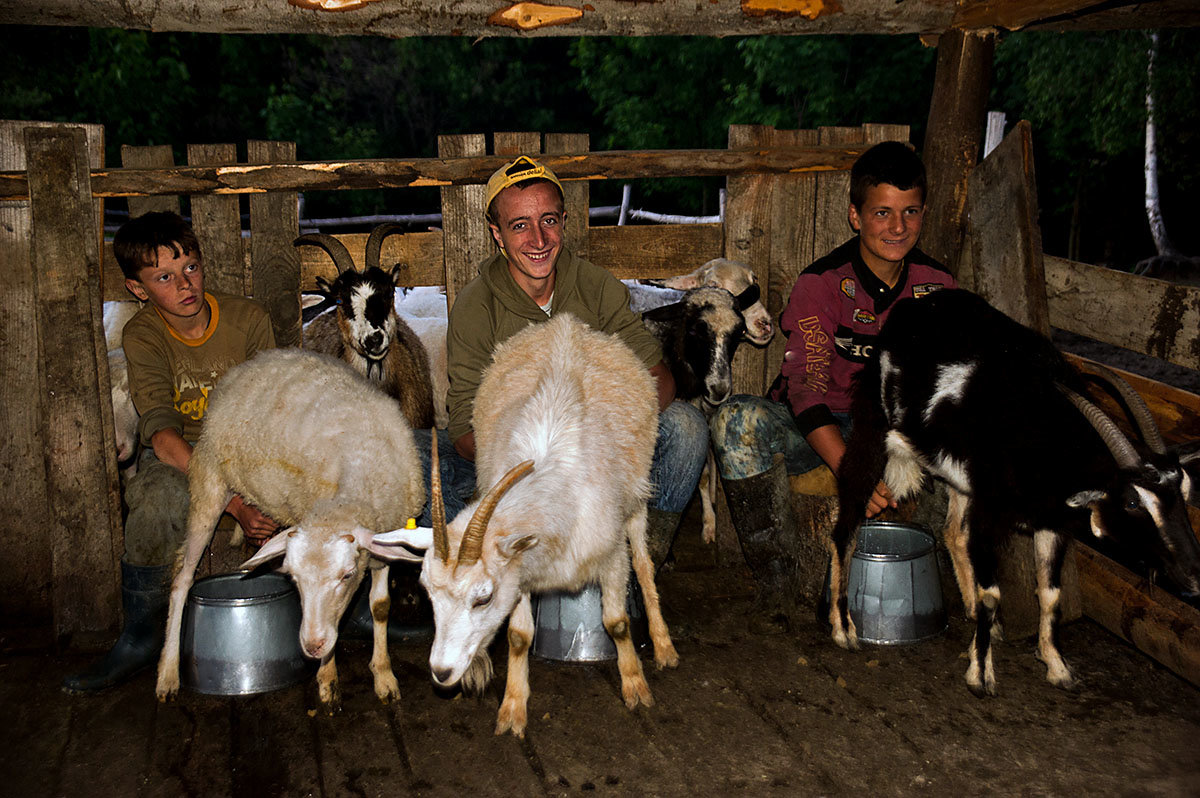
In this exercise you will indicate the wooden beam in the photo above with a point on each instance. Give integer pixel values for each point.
(448, 170)
(1002, 252)
(1157, 623)
(953, 138)
(84, 519)
(1139, 313)
(467, 240)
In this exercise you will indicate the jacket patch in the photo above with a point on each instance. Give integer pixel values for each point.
(847, 286)
(864, 316)
(926, 288)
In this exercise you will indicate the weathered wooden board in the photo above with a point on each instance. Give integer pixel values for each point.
(25, 592)
(1160, 625)
(650, 251)
(274, 262)
(577, 194)
(476, 18)
(447, 170)
(149, 157)
(1139, 313)
(467, 240)
(218, 225)
(953, 137)
(1002, 251)
(83, 516)
(420, 256)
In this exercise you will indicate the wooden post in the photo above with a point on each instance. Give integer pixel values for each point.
(577, 193)
(274, 261)
(953, 136)
(218, 224)
(465, 237)
(26, 592)
(1002, 253)
(84, 517)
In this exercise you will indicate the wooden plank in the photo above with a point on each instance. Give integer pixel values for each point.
(419, 253)
(651, 251)
(1160, 625)
(218, 224)
(748, 234)
(448, 170)
(147, 157)
(84, 520)
(577, 193)
(274, 261)
(467, 240)
(953, 136)
(1139, 313)
(1002, 252)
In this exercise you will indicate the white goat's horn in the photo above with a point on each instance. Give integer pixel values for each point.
(437, 507)
(335, 249)
(1122, 450)
(375, 243)
(472, 542)
(1137, 408)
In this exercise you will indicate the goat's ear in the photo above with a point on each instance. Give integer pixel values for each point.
(748, 297)
(324, 287)
(397, 272)
(1091, 499)
(510, 546)
(1189, 460)
(391, 545)
(275, 547)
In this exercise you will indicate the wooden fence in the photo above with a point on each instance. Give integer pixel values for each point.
(787, 202)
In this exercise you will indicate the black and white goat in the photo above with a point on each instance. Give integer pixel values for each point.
(735, 277)
(357, 322)
(699, 336)
(964, 393)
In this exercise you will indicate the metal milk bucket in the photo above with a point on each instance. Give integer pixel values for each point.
(241, 635)
(569, 626)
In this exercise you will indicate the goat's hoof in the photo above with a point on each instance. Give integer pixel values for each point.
(982, 689)
(511, 719)
(666, 657)
(167, 688)
(387, 689)
(330, 696)
(636, 691)
(1063, 680)
(709, 534)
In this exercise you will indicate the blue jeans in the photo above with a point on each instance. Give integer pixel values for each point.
(458, 474)
(679, 455)
(748, 431)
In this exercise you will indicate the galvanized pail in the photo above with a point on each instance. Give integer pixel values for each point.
(569, 627)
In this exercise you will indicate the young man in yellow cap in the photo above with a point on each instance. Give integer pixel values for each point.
(535, 275)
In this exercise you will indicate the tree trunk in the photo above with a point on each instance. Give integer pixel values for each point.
(1158, 228)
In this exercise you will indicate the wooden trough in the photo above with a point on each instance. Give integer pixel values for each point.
(786, 205)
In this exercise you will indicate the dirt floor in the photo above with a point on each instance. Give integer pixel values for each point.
(744, 714)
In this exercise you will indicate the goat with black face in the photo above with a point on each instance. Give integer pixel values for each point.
(964, 393)
(357, 322)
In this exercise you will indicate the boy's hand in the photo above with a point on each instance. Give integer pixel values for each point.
(881, 499)
(257, 526)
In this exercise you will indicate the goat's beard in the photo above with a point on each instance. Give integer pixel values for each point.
(478, 674)
(374, 368)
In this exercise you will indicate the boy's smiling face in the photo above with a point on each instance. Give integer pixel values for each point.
(174, 285)
(888, 223)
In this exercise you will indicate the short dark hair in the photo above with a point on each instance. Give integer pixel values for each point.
(533, 181)
(136, 243)
(891, 162)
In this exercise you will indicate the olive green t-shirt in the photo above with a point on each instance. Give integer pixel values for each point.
(492, 307)
(170, 377)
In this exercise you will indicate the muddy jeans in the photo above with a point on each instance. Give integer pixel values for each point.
(679, 455)
(748, 431)
(157, 497)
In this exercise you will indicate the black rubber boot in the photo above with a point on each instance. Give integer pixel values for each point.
(661, 528)
(145, 590)
(409, 618)
(761, 510)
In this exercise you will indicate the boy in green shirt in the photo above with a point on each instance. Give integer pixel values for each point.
(178, 346)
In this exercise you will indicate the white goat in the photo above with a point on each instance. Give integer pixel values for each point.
(565, 423)
(319, 449)
(125, 415)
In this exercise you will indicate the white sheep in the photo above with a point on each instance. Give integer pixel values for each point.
(319, 449)
(423, 308)
(565, 423)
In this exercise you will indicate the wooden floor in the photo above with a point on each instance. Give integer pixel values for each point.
(744, 714)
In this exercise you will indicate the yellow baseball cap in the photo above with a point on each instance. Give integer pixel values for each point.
(522, 169)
